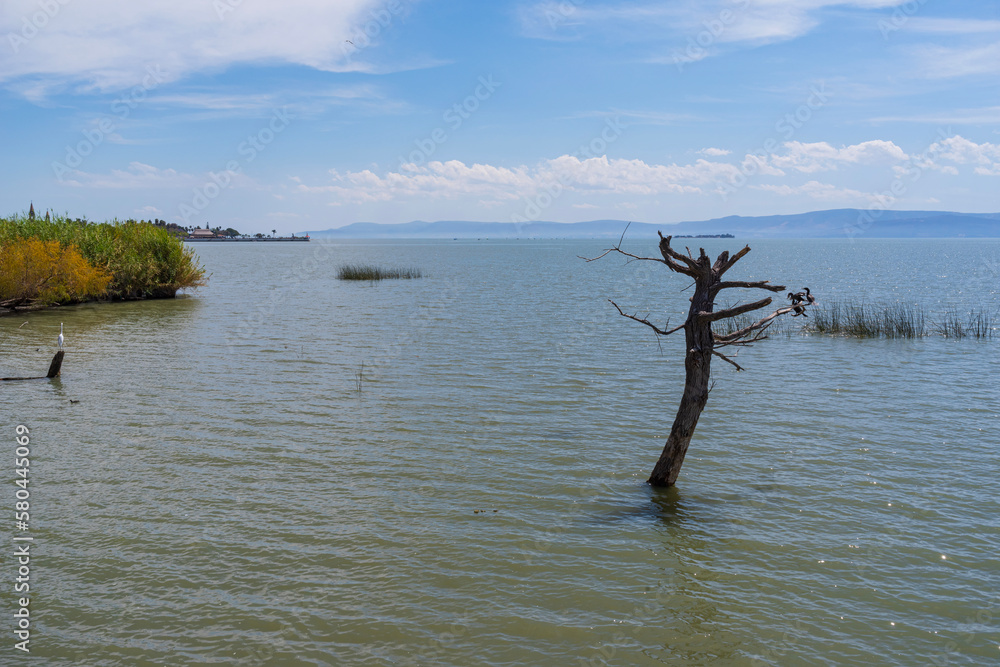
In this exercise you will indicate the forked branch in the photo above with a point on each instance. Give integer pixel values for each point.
(649, 324)
(725, 358)
(755, 284)
(734, 311)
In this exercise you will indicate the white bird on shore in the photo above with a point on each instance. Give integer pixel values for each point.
(60, 339)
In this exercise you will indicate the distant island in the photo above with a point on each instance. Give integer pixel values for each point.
(837, 223)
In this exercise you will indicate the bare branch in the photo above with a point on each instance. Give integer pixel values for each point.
(757, 326)
(755, 284)
(649, 324)
(618, 248)
(734, 311)
(729, 263)
(671, 257)
(758, 335)
(725, 358)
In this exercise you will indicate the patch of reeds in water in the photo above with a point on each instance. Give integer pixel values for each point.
(980, 323)
(372, 273)
(862, 320)
(899, 320)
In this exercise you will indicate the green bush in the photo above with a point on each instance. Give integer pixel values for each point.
(144, 260)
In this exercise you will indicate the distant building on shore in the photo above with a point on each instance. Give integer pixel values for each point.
(202, 234)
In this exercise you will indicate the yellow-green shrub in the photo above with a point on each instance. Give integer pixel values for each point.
(32, 270)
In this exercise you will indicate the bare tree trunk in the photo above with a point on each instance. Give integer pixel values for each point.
(697, 374)
(701, 344)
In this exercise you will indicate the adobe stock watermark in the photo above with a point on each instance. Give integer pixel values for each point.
(121, 108)
(713, 29)
(363, 35)
(249, 149)
(911, 171)
(900, 15)
(786, 127)
(33, 24)
(455, 116)
(982, 618)
(558, 14)
(596, 147)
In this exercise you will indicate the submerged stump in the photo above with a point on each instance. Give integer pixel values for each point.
(54, 368)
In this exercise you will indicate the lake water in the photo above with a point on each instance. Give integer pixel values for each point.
(285, 469)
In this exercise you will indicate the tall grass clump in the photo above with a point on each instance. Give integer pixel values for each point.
(372, 273)
(861, 320)
(142, 260)
(978, 324)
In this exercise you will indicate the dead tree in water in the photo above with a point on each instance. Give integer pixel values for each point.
(701, 343)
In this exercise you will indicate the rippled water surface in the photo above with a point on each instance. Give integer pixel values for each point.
(283, 468)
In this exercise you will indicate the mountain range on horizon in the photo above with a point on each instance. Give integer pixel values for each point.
(835, 223)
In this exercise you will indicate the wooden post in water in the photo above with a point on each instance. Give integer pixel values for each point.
(56, 364)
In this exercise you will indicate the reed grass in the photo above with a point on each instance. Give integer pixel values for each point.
(863, 320)
(372, 273)
(144, 260)
(979, 324)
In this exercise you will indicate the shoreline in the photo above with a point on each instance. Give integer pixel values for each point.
(264, 240)
(33, 308)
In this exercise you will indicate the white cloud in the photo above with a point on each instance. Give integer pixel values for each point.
(453, 179)
(821, 156)
(109, 44)
(603, 175)
(149, 212)
(959, 150)
(962, 151)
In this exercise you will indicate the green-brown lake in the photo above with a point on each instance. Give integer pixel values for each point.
(234, 488)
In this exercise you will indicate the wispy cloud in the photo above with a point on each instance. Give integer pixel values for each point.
(727, 21)
(108, 44)
(140, 176)
(941, 62)
(981, 116)
(301, 102)
(640, 117)
(825, 192)
(946, 26)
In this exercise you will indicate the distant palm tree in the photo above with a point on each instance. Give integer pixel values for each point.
(273, 232)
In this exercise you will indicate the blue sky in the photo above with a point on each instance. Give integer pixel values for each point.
(307, 114)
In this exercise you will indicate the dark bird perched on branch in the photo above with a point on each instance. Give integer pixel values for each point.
(797, 298)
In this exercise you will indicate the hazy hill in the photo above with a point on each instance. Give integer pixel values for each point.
(836, 223)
